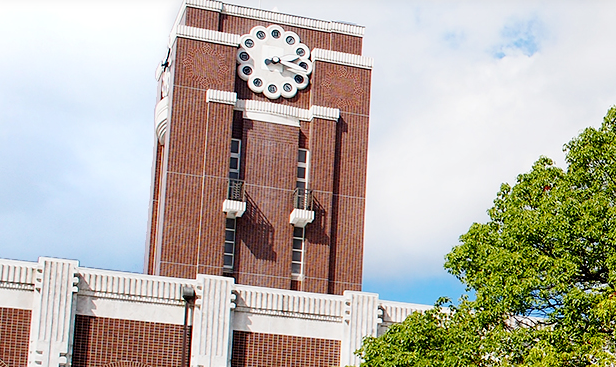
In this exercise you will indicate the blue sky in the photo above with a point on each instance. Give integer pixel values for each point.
(465, 96)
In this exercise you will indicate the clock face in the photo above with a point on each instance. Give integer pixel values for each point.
(274, 62)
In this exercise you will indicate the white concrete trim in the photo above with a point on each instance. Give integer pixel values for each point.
(52, 312)
(276, 302)
(13, 272)
(212, 321)
(283, 114)
(130, 310)
(301, 217)
(396, 312)
(233, 208)
(16, 298)
(219, 96)
(343, 58)
(275, 17)
(361, 320)
(325, 113)
(270, 112)
(267, 324)
(207, 35)
(161, 119)
(131, 287)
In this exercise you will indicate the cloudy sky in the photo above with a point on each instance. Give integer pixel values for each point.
(466, 95)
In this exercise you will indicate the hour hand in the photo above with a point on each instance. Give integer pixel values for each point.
(292, 66)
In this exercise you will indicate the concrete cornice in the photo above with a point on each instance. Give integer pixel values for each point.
(275, 17)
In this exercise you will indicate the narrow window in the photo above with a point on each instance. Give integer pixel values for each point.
(234, 193)
(302, 169)
(297, 261)
(234, 164)
(229, 244)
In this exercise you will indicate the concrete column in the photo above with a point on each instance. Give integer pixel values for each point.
(53, 313)
(361, 319)
(211, 334)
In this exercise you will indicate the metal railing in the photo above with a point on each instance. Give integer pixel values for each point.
(302, 199)
(236, 190)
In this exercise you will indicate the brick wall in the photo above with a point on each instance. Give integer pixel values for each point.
(271, 350)
(263, 242)
(112, 342)
(208, 19)
(14, 336)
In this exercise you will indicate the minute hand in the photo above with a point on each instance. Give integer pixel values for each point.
(293, 66)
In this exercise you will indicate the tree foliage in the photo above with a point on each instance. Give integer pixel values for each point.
(542, 269)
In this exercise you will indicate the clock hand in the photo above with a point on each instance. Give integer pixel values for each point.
(293, 66)
(289, 58)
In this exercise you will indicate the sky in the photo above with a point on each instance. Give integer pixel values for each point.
(466, 95)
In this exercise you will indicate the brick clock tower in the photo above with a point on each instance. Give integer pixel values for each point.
(259, 166)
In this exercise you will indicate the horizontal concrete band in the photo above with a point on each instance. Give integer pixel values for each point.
(230, 39)
(272, 112)
(275, 17)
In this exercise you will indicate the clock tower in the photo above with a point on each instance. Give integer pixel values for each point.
(261, 144)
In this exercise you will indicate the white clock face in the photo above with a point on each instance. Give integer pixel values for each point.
(274, 62)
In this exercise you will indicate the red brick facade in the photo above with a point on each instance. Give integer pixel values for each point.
(271, 350)
(189, 182)
(14, 336)
(105, 342)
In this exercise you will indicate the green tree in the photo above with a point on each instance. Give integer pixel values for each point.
(542, 269)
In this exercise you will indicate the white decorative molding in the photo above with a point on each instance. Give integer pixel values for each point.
(275, 17)
(326, 113)
(219, 96)
(17, 275)
(361, 320)
(233, 208)
(161, 119)
(127, 309)
(207, 35)
(285, 303)
(212, 321)
(16, 298)
(343, 58)
(301, 217)
(284, 325)
(131, 287)
(396, 312)
(282, 114)
(206, 4)
(52, 313)
(16, 284)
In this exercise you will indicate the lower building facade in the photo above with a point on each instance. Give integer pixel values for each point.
(55, 313)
